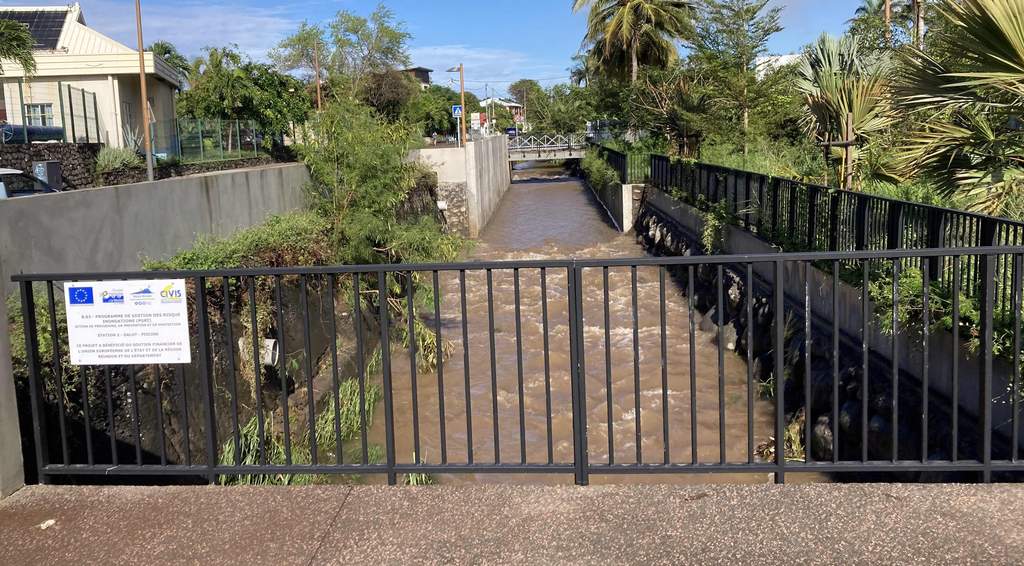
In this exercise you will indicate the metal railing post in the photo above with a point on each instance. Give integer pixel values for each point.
(578, 376)
(812, 217)
(385, 348)
(775, 187)
(987, 302)
(24, 117)
(85, 116)
(28, 312)
(63, 120)
(779, 341)
(936, 236)
(206, 374)
(71, 111)
(860, 227)
(96, 117)
(792, 206)
(833, 222)
(894, 238)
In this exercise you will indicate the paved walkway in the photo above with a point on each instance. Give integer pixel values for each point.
(823, 524)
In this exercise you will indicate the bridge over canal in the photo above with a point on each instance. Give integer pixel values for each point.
(547, 147)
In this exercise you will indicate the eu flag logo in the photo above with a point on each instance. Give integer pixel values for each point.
(80, 295)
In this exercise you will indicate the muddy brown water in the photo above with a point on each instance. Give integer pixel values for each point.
(547, 216)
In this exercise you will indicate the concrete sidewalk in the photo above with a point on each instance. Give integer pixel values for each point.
(822, 524)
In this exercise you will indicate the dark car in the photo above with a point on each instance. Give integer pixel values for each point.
(15, 183)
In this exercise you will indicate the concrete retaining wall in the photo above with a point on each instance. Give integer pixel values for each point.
(850, 317)
(620, 202)
(112, 229)
(471, 181)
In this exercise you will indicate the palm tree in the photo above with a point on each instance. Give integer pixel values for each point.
(841, 86)
(969, 139)
(635, 31)
(16, 45)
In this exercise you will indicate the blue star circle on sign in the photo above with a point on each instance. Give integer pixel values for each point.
(80, 295)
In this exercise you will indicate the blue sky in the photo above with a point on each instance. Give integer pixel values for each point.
(499, 40)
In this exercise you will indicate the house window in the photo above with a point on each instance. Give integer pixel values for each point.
(39, 114)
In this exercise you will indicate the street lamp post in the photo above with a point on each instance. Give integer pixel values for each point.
(461, 69)
(147, 142)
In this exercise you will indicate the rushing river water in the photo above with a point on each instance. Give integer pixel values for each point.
(550, 217)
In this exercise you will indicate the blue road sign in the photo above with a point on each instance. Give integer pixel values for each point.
(457, 110)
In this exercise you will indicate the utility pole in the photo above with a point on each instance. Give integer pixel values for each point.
(147, 142)
(462, 92)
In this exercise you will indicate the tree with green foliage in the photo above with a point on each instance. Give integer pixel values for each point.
(389, 92)
(16, 45)
(838, 85)
(304, 52)
(967, 137)
(363, 46)
(228, 86)
(671, 103)
(170, 54)
(729, 38)
(627, 34)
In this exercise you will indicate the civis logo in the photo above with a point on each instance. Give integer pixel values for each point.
(171, 295)
(113, 297)
(80, 296)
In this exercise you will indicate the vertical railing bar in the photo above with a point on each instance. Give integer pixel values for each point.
(494, 367)
(357, 316)
(779, 344)
(663, 315)
(58, 374)
(230, 355)
(895, 360)
(206, 375)
(159, 415)
(28, 313)
(307, 358)
(440, 366)
(750, 360)
(136, 425)
(865, 382)
(465, 366)
(87, 423)
(282, 359)
(693, 365)
(957, 274)
(332, 283)
(385, 349)
(608, 368)
(925, 336)
(576, 313)
(1018, 270)
(722, 456)
(835, 361)
(114, 458)
(519, 366)
(636, 367)
(808, 456)
(410, 299)
(547, 361)
(986, 269)
(257, 371)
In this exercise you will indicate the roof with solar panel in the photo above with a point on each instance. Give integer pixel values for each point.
(44, 23)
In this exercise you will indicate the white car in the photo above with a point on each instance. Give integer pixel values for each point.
(15, 183)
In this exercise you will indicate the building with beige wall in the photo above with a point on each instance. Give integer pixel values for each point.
(85, 82)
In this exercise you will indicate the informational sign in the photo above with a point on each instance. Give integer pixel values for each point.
(457, 111)
(127, 322)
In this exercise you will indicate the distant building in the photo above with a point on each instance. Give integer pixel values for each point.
(517, 110)
(421, 74)
(770, 63)
(70, 54)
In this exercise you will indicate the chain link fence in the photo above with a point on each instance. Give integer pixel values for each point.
(193, 140)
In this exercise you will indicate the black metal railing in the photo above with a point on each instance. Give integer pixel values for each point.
(570, 366)
(806, 217)
(629, 167)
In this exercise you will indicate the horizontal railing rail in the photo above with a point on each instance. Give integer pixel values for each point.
(572, 366)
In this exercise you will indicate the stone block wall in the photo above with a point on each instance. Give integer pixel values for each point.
(78, 159)
(138, 175)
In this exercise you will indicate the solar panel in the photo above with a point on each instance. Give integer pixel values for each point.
(44, 25)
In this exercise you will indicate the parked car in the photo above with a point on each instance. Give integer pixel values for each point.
(15, 183)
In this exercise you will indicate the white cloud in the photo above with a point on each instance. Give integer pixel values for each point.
(496, 67)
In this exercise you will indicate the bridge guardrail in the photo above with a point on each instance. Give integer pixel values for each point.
(529, 142)
(92, 421)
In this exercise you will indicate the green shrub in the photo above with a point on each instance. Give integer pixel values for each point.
(597, 172)
(116, 158)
